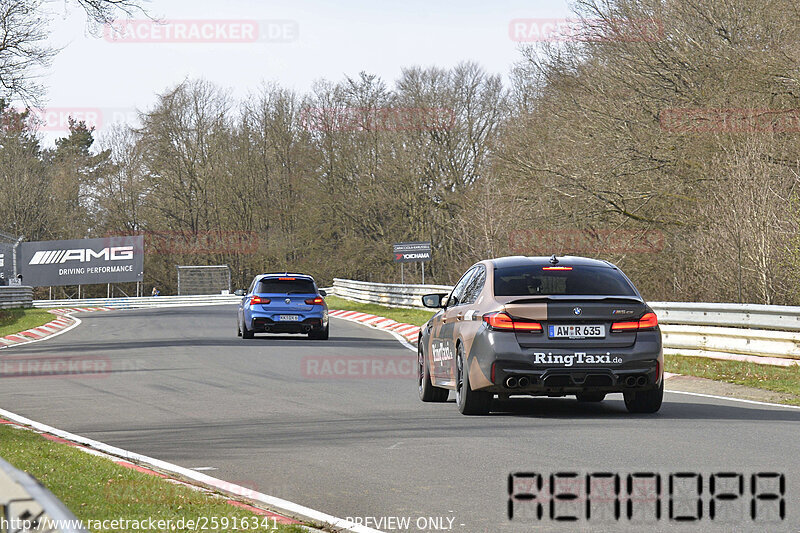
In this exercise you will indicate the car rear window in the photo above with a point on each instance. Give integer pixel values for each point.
(581, 280)
(283, 286)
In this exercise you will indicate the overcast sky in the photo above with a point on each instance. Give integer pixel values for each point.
(292, 42)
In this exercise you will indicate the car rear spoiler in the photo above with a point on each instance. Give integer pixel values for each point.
(568, 298)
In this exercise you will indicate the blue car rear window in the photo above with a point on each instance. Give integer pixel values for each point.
(278, 286)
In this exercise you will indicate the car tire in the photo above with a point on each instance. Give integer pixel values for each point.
(246, 333)
(321, 335)
(648, 401)
(427, 391)
(591, 396)
(469, 402)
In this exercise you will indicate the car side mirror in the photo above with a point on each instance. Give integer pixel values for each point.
(239, 292)
(434, 301)
(323, 293)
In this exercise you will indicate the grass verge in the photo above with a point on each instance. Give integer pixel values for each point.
(16, 320)
(785, 380)
(416, 317)
(96, 488)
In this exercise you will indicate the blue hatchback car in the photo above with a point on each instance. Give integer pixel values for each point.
(283, 303)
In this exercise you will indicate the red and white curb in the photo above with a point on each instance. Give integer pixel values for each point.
(409, 332)
(62, 324)
(228, 489)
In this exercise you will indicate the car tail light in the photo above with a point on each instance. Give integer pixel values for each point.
(315, 301)
(259, 300)
(648, 321)
(286, 279)
(556, 268)
(503, 322)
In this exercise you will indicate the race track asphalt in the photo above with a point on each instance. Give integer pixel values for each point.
(267, 413)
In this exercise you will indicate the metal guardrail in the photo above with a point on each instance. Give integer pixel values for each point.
(777, 317)
(14, 296)
(25, 502)
(142, 302)
(146, 301)
(691, 328)
(389, 294)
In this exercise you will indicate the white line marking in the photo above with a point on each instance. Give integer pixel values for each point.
(754, 402)
(288, 508)
(202, 468)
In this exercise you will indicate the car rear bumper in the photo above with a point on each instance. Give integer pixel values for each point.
(511, 369)
(269, 322)
(267, 325)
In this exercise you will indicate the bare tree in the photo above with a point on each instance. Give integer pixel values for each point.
(24, 52)
(23, 30)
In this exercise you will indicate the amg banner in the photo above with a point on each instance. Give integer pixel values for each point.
(82, 262)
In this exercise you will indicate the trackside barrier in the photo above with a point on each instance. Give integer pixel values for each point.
(26, 505)
(718, 330)
(15, 296)
(142, 302)
(390, 294)
(754, 316)
(146, 301)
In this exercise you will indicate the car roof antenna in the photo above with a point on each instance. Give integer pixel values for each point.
(553, 259)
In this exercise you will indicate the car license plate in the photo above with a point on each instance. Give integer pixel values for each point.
(288, 318)
(567, 331)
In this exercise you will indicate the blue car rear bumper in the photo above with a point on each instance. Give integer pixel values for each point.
(264, 322)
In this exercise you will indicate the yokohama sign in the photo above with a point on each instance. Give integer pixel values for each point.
(82, 262)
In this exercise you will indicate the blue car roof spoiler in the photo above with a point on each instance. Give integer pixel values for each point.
(285, 274)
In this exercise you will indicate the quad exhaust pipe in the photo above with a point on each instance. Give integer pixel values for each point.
(511, 382)
(523, 382)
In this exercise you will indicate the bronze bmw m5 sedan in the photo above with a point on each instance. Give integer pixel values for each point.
(541, 326)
